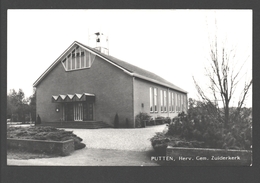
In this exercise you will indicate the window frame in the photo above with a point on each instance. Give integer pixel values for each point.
(155, 99)
(184, 103)
(151, 100)
(173, 102)
(165, 100)
(75, 60)
(170, 101)
(161, 102)
(177, 102)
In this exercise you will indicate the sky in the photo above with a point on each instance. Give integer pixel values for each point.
(173, 44)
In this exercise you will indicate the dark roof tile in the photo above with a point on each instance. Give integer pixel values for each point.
(135, 69)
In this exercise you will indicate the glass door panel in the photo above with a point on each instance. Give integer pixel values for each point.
(78, 112)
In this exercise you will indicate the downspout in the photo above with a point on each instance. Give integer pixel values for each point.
(133, 101)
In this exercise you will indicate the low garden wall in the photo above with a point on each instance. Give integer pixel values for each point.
(63, 148)
(207, 156)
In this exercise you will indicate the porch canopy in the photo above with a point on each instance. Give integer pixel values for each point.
(73, 97)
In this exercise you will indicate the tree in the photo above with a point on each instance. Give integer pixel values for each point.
(224, 78)
(17, 105)
(201, 107)
(11, 108)
(32, 104)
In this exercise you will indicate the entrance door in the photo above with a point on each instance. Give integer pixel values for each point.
(69, 116)
(78, 111)
(88, 111)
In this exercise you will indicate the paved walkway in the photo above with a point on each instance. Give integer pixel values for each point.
(133, 139)
(105, 147)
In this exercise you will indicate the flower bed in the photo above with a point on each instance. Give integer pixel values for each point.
(62, 148)
(42, 136)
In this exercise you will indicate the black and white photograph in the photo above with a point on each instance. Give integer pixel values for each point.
(132, 87)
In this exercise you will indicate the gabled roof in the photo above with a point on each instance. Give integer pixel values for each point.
(126, 67)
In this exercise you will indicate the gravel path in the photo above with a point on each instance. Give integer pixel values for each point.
(133, 139)
(105, 147)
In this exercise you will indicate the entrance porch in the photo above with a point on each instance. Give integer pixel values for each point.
(77, 107)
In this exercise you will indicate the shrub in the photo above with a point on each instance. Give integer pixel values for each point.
(238, 133)
(151, 122)
(204, 131)
(116, 121)
(126, 123)
(168, 120)
(161, 140)
(160, 120)
(213, 133)
(142, 119)
(160, 143)
(38, 120)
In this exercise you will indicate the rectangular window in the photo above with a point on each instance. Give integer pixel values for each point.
(186, 103)
(87, 59)
(73, 61)
(165, 101)
(69, 63)
(151, 99)
(155, 100)
(81, 56)
(177, 103)
(181, 103)
(82, 60)
(77, 61)
(170, 102)
(173, 102)
(161, 96)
